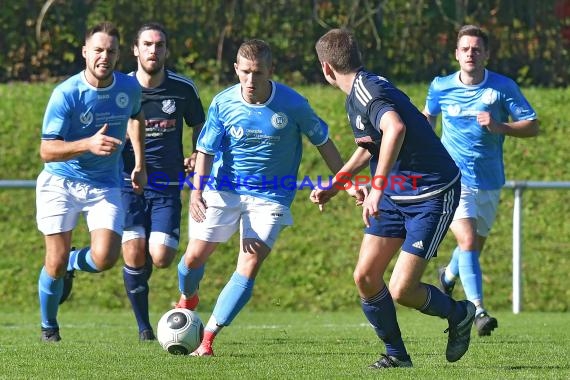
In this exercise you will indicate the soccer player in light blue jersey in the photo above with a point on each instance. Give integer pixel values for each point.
(476, 105)
(152, 225)
(250, 142)
(396, 141)
(85, 125)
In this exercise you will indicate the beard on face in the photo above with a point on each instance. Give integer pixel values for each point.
(153, 68)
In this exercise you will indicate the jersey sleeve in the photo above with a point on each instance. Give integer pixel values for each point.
(57, 118)
(210, 138)
(517, 106)
(137, 96)
(378, 106)
(432, 100)
(194, 113)
(312, 126)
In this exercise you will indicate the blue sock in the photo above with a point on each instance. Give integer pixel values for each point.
(453, 266)
(50, 290)
(381, 313)
(189, 279)
(136, 286)
(470, 274)
(233, 298)
(441, 305)
(80, 259)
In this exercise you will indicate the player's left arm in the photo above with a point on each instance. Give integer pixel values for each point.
(520, 128)
(331, 155)
(190, 161)
(136, 132)
(393, 133)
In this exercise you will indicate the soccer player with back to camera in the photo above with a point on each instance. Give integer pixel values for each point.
(476, 104)
(83, 134)
(396, 141)
(152, 225)
(256, 129)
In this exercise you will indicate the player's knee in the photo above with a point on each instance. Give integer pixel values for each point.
(162, 262)
(363, 281)
(162, 256)
(105, 260)
(467, 242)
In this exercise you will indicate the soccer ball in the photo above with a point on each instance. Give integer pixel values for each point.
(180, 331)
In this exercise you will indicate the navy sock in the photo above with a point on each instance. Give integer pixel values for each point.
(441, 305)
(136, 286)
(381, 313)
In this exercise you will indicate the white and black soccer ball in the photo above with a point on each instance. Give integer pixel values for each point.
(180, 331)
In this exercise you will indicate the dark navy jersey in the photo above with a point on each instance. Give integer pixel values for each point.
(423, 167)
(166, 109)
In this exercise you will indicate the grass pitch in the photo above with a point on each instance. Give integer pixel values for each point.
(282, 345)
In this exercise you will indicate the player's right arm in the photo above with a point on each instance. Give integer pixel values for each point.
(343, 179)
(202, 172)
(59, 150)
(430, 118)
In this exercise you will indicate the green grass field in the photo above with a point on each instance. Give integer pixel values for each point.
(282, 345)
(304, 320)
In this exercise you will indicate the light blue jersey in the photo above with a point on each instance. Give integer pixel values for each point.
(77, 110)
(477, 152)
(258, 146)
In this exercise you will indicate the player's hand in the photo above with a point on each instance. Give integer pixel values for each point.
(190, 163)
(321, 196)
(486, 121)
(359, 194)
(138, 180)
(198, 206)
(370, 206)
(103, 145)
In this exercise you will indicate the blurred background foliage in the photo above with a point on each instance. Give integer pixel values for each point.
(407, 41)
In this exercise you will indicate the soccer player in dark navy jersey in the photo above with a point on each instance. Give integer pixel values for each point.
(414, 190)
(152, 224)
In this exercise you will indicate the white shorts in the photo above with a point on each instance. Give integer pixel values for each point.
(257, 218)
(60, 201)
(480, 205)
(156, 237)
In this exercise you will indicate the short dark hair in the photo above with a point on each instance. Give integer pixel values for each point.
(473, 31)
(339, 48)
(150, 26)
(255, 50)
(103, 27)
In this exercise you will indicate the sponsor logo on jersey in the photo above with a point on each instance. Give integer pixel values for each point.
(489, 96)
(168, 106)
(236, 132)
(86, 118)
(359, 124)
(454, 110)
(279, 120)
(122, 100)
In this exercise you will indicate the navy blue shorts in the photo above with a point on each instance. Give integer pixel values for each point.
(422, 225)
(157, 211)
